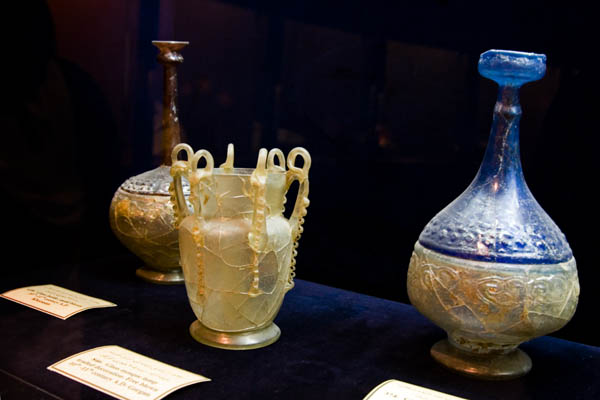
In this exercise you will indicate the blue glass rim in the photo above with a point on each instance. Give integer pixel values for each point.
(507, 67)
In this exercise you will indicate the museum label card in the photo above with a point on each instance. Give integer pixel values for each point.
(55, 300)
(124, 374)
(397, 390)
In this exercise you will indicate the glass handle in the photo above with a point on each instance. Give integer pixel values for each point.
(179, 168)
(228, 164)
(199, 177)
(257, 237)
(301, 204)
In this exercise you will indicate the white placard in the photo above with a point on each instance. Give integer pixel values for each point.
(398, 390)
(124, 374)
(55, 300)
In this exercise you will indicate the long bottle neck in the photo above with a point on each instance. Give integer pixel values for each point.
(170, 120)
(501, 164)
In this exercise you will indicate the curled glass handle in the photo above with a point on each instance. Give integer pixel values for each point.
(275, 154)
(179, 168)
(301, 204)
(199, 177)
(257, 236)
(300, 173)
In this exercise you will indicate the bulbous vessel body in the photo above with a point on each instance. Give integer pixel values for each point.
(492, 269)
(141, 216)
(237, 248)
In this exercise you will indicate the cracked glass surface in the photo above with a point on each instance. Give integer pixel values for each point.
(145, 225)
(219, 263)
(487, 306)
(237, 249)
(497, 218)
(494, 223)
(141, 216)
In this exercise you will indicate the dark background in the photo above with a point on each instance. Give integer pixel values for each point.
(386, 97)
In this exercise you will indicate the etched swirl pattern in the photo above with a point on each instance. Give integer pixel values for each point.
(487, 306)
(145, 225)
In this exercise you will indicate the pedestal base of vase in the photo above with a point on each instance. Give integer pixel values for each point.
(172, 277)
(498, 366)
(235, 340)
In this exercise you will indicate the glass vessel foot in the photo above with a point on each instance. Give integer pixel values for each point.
(172, 277)
(498, 366)
(235, 340)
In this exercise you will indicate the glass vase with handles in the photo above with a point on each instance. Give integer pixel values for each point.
(237, 248)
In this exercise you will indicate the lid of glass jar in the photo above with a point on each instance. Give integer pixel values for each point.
(153, 182)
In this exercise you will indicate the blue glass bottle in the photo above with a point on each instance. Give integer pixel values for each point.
(492, 268)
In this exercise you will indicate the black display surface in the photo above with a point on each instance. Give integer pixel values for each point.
(335, 344)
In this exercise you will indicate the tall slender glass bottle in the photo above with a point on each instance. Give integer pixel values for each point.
(141, 211)
(492, 268)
